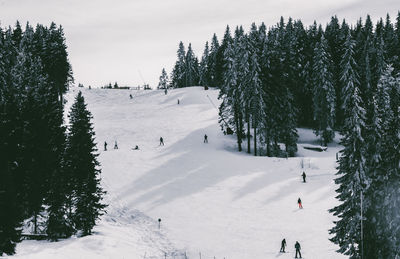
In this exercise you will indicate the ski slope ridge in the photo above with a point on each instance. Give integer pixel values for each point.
(212, 200)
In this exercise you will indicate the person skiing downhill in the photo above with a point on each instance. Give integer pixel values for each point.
(161, 141)
(283, 245)
(115, 145)
(299, 202)
(105, 146)
(304, 176)
(205, 138)
(298, 247)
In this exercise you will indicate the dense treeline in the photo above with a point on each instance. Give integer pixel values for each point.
(44, 186)
(296, 72)
(343, 78)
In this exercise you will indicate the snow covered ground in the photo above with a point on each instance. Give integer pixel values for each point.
(210, 198)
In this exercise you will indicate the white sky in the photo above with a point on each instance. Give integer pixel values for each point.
(111, 41)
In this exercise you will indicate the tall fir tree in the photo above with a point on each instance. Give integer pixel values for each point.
(163, 81)
(352, 178)
(213, 66)
(178, 73)
(324, 93)
(10, 129)
(204, 71)
(191, 68)
(83, 167)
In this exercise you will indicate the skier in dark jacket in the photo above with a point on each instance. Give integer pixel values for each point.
(130, 96)
(299, 202)
(304, 176)
(105, 146)
(283, 245)
(298, 247)
(205, 139)
(161, 141)
(115, 145)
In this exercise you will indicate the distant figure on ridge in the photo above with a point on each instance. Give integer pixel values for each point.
(283, 245)
(304, 176)
(299, 202)
(298, 247)
(105, 146)
(115, 145)
(161, 141)
(205, 138)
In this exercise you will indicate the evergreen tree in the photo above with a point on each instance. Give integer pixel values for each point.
(396, 43)
(324, 94)
(213, 61)
(220, 60)
(83, 167)
(230, 111)
(163, 83)
(377, 239)
(178, 76)
(10, 128)
(257, 101)
(335, 41)
(392, 152)
(204, 71)
(191, 68)
(352, 178)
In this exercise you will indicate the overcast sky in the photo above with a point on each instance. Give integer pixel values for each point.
(112, 40)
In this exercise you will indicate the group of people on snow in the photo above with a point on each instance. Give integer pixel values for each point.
(296, 246)
(137, 147)
(105, 145)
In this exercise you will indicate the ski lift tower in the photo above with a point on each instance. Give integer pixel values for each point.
(145, 86)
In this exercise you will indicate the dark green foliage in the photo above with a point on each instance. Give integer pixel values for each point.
(164, 82)
(179, 72)
(324, 93)
(10, 172)
(82, 167)
(34, 183)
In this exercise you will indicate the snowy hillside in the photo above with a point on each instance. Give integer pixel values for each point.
(211, 199)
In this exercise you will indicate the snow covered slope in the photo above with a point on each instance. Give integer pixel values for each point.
(211, 199)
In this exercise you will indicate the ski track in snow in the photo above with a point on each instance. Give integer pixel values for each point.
(212, 199)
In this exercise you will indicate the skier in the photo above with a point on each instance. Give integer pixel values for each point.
(304, 177)
(283, 244)
(298, 247)
(105, 146)
(115, 145)
(299, 202)
(136, 147)
(205, 138)
(178, 101)
(130, 96)
(161, 141)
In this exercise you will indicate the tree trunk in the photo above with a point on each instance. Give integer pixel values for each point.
(35, 224)
(255, 139)
(238, 133)
(248, 132)
(240, 130)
